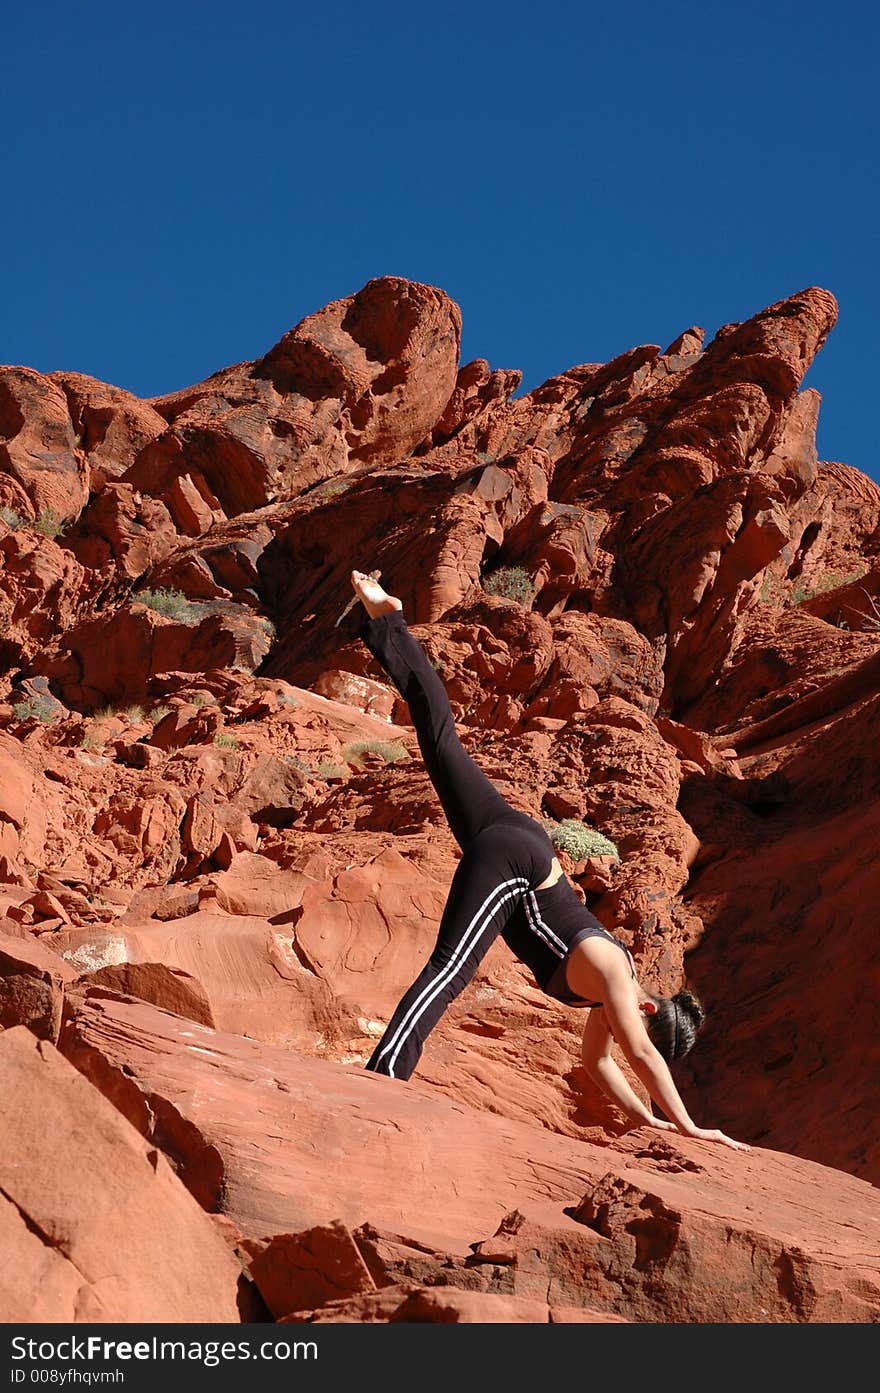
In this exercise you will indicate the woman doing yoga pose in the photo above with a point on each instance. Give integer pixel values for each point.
(509, 882)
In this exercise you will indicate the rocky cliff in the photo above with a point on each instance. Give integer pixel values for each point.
(657, 614)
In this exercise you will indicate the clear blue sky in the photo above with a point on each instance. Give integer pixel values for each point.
(183, 182)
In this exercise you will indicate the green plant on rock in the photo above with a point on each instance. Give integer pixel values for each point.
(225, 741)
(200, 697)
(828, 581)
(773, 590)
(390, 751)
(512, 583)
(333, 488)
(39, 708)
(327, 769)
(49, 523)
(581, 842)
(172, 604)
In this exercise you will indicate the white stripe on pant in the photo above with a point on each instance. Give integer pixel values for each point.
(433, 988)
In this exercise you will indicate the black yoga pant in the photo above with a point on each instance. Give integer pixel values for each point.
(505, 853)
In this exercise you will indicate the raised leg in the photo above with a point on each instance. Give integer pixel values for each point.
(471, 803)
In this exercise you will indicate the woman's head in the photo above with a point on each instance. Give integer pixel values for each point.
(674, 1025)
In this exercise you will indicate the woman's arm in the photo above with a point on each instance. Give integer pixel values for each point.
(602, 1069)
(648, 1064)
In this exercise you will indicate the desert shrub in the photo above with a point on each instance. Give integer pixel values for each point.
(35, 708)
(200, 697)
(158, 714)
(49, 523)
(328, 770)
(135, 714)
(268, 628)
(333, 488)
(833, 580)
(173, 604)
(511, 582)
(773, 590)
(225, 741)
(580, 842)
(391, 751)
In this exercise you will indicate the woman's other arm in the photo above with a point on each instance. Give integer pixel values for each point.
(649, 1066)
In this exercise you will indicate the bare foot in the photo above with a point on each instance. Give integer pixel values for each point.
(371, 595)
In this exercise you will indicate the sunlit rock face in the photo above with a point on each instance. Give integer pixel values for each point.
(656, 613)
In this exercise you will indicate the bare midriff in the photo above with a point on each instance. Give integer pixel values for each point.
(556, 873)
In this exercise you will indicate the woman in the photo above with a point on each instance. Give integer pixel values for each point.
(509, 882)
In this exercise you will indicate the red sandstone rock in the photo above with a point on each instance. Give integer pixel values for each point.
(430, 1305)
(32, 980)
(800, 856)
(645, 1228)
(111, 425)
(475, 388)
(299, 1271)
(109, 1234)
(42, 589)
(38, 447)
(28, 804)
(683, 678)
(123, 530)
(114, 658)
(363, 380)
(375, 698)
(166, 987)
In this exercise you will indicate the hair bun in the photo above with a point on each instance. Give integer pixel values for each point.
(688, 1003)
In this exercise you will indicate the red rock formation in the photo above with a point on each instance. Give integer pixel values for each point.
(32, 981)
(646, 1229)
(96, 1227)
(38, 447)
(112, 426)
(361, 381)
(213, 801)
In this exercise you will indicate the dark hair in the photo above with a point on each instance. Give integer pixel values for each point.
(673, 1028)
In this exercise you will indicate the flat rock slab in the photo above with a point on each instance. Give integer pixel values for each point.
(282, 1143)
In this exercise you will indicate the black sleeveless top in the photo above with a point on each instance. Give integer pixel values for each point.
(545, 927)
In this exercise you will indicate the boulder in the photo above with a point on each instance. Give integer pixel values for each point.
(96, 1225)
